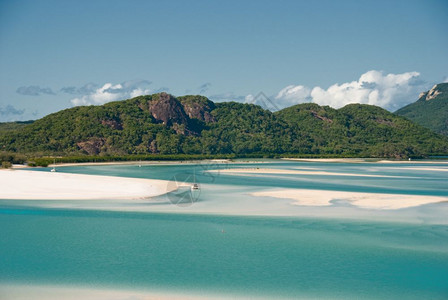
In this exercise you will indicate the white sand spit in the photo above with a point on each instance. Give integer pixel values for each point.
(367, 160)
(35, 185)
(298, 172)
(363, 200)
(47, 292)
(439, 169)
(410, 162)
(339, 160)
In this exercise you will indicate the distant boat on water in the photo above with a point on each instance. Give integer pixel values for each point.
(54, 168)
(195, 186)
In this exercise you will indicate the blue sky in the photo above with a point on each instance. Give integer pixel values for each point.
(57, 54)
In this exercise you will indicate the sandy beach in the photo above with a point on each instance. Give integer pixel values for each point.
(294, 172)
(367, 160)
(439, 169)
(47, 292)
(35, 185)
(344, 160)
(362, 200)
(144, 163)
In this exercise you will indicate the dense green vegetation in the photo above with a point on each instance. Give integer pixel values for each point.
(9, 158)
(360, 130)
(161, 126)
(5, 126)
(431, 110)
(45, 161)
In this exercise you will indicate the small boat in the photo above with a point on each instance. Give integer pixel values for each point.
(54, 168)
(194, 186)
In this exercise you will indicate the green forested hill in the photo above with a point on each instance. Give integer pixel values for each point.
(430, 110)
(360, 129)
(6, 126)
(163, 124)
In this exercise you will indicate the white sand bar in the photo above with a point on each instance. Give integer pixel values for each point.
(35, 292)
(363, 200)
(367, 160)
(36, 185)
(295, 172)
(339, 160)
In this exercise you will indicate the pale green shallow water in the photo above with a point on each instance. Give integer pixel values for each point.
(275, 257)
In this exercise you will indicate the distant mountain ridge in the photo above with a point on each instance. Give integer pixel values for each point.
(430, 110)
(164, 124)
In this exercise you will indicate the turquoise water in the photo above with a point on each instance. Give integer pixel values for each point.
(274, 257)
(282, 257)
(398, 178)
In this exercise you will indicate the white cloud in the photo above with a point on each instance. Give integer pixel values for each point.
(138, 92)
(262, 100)
(112, 92)
(249, 99)
(292, 94)
(390, 91)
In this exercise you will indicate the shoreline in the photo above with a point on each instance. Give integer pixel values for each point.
(18, 291)
(144, 163)
(368, 160)
(239, 161)
(35, 185)
(298, 172)
(129, 162)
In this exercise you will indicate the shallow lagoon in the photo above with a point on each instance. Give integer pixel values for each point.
(304, 252)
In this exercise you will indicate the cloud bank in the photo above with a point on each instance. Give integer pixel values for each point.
(84, 90)
(34, 90)
(230, 96)
(9, 113)
(204, 88)
(95, 95)
(390, 91)
(10, 110)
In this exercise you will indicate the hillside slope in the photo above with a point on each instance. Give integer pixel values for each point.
(430, 110)
(361, 129)
(164, 124)
(7, 126)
